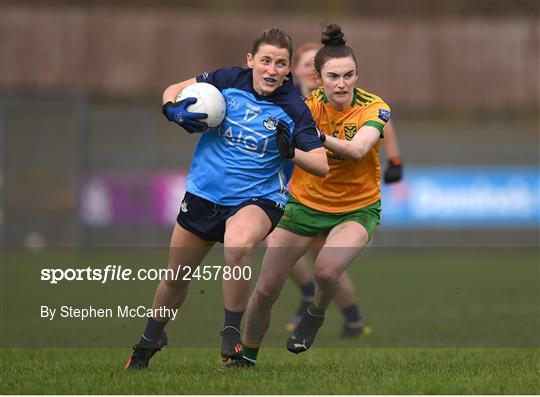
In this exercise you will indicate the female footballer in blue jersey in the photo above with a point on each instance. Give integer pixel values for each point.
(236, 189)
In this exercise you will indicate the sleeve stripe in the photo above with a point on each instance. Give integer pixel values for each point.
(366, 97)
(376, 124)
(361, 100)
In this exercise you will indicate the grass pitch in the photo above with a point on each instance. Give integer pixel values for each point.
(318, 371)
(445, 322)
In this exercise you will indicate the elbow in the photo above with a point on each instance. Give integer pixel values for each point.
(322, 170)
(172, 92)
(168, 93)
(171, 88)
(314, 162)
(357, 155)
(319, 164)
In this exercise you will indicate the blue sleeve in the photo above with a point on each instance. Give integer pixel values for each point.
(220, 78)
(305, 133)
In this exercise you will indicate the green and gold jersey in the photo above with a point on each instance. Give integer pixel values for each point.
(350, 184)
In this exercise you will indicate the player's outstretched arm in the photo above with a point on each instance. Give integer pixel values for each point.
(314, 161)
(356, 149)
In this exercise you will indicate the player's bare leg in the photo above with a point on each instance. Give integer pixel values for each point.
(283, 250)
(342, 245)
(346, 300)
(185, 253)
(300, 272)
(244, 230)
(302, 276)
(316, 245)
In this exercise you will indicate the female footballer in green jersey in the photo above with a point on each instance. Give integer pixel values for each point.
(306, 80)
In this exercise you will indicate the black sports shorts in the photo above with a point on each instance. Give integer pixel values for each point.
(207, 219)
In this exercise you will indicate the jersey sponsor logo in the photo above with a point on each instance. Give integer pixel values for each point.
(254, 108)
(350, 130)
(384, 115)
(270, 124)
(252, 111)
(244, 138)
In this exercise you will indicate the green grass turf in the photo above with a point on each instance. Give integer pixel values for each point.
(445, 322)
(415, 298)
(319, 371)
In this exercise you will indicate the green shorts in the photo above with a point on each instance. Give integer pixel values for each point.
(308, 222)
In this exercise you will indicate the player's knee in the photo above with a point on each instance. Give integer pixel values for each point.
(237, 239)
(177, 279)
(237, 254)
(326, 276)
(266, 295)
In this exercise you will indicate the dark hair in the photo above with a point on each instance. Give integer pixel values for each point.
(275, 37)
(334, 47)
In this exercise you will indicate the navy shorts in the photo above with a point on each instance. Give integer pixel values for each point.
(207, 220)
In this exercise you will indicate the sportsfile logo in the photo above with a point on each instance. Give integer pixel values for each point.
(243, 137)
(121, 273)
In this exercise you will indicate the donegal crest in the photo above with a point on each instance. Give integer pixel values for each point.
(350, 131)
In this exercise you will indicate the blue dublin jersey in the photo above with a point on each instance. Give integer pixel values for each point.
(240, 160)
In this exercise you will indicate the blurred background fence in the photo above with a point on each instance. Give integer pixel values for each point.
(87, 158)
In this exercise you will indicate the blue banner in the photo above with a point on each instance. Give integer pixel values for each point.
(463, 198)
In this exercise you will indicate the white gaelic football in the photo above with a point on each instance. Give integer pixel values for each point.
(209, 101)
